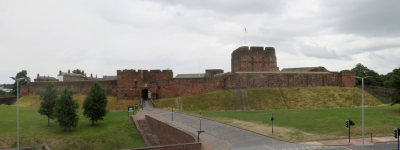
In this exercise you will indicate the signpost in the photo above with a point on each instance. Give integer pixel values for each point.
(136, 106)
(272, 119)
(198, 132)
(348, 124)
(130, 109)
(200, 120)
(396, 136)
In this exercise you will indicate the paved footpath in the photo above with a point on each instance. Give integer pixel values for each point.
(223, 137)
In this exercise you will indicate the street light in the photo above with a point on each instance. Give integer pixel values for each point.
(362, 79)
(23, 78)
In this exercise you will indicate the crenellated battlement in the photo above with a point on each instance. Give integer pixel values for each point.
(254, 49)
(144, 71)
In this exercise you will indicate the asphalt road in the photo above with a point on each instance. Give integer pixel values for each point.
(223, 136)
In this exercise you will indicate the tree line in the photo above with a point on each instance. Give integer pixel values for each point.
(390, 80)
(63, 109)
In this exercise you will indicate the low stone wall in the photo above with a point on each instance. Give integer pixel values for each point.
(188, 146)
(8, 100)
(167, 134)
(168, 137)
(381, 92)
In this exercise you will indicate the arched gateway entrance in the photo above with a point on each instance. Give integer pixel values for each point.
(145, 94)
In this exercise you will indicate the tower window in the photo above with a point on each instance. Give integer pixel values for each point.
(252, 64)
(126, 95)
(158, 87)
(262, 62)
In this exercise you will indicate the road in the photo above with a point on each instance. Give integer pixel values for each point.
(223, 136)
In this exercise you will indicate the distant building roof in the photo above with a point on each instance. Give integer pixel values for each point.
(305, 69)
(193, 75)
(110, 78)
(70, 74)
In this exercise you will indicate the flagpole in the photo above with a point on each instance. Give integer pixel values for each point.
(245, 41)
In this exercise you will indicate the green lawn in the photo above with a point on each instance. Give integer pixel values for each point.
(313, 124)
(115, 132)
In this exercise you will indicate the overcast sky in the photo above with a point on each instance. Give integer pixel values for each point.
(101, 37)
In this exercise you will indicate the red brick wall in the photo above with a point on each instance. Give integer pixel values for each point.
(167, 134)
(241, 59)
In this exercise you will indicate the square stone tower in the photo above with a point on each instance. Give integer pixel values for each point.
(257, 59)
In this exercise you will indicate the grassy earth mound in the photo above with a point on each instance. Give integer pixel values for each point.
(272, 98)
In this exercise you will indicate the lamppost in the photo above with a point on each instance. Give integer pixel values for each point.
(172, 112)
(362, 81)
(23, 78)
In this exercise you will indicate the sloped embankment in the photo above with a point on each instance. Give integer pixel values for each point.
(271, 98)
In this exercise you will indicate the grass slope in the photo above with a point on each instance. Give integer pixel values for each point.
(115, 132)
(272, 98)
(112, 105)
(312, 124)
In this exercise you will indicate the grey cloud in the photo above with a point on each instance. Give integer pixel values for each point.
(231, 7)
(364, 17)
(321, 52)
(378, 47)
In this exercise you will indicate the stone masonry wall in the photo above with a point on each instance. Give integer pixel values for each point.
(180, 87)
(130, 83)
(257, 59)
(79, 87)
(168, 134)
(347, 79)
(256, 80)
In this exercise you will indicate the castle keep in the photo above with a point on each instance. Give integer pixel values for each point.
(250, 68)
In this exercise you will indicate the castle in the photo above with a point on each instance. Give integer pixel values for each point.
(250, 68)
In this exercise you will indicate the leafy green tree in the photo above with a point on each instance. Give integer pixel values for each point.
(2, 92)
(49, 100)
(394, 82)
(363, 71)
(95, 103)
(65, 110)
(78, 71)
(21, 74)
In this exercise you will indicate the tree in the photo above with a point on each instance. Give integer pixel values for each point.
(78, 71)
(2, 92)
(363, 71)
(394, 82)
(65, 112)
(21, 74)
(95, 103)
(49, 100)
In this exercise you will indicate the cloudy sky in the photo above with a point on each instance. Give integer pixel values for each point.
(101, 37)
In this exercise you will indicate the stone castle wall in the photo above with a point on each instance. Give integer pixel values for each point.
(252, 68)
(79, 87)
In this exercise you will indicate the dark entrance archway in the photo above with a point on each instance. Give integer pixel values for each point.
(145, 94)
